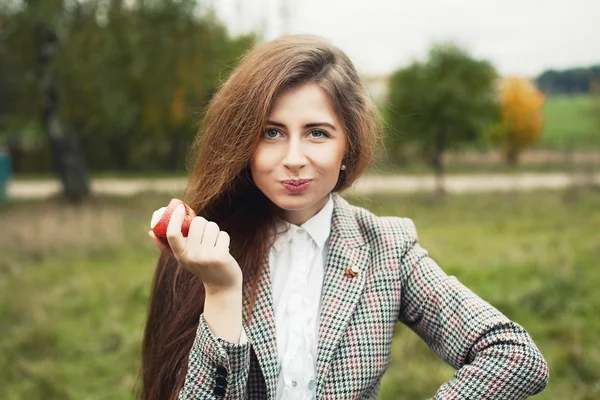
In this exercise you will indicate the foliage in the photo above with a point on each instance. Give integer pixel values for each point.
(74, 285)
(441, 102)
(522, 118)
(131, 75)
(568, 81)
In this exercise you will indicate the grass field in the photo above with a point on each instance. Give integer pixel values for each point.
(569, 124)
(74, 284)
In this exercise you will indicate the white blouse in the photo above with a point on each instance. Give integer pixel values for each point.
(297, 266)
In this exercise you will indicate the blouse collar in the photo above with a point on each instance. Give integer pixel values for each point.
(318, 227)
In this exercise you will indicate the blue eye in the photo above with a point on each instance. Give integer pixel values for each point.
(271, 134)
(268, 131)
(323, 133)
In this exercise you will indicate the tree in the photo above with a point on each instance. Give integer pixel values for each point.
(447, 100)
(568, 81)
(149, 68)
(68, 158)
(130, 76)
(522, 117)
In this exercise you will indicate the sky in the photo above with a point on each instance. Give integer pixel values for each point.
(522, 37)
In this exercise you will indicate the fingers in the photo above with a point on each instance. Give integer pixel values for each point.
(223, 240)
(202, 234)
(196, 231)
(174, 235)
(211, 231)
(213, 237)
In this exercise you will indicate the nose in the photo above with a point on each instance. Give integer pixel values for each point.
(294, 158)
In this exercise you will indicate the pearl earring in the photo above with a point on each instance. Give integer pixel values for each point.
(343, 167)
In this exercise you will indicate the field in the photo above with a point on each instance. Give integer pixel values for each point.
(569, 124)
(74, 284)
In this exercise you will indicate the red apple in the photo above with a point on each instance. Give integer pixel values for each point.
(162, 216)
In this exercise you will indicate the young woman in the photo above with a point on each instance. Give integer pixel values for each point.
(284, 290)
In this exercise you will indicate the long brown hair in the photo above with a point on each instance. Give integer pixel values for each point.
(220, 187)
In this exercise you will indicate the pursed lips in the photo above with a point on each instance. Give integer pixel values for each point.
(296, 182)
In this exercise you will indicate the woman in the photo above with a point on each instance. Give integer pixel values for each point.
(284, 290)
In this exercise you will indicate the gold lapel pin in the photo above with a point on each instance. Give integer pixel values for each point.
(351, 272)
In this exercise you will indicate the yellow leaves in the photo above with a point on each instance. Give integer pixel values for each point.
(522, 110)
(522, 117)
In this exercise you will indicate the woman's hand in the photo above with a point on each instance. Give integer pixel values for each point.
(205, 252)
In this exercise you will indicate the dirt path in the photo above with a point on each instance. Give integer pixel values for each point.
(366, 185)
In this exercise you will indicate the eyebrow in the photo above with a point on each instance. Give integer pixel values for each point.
(311, 125)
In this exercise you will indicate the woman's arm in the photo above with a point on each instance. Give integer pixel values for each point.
(495, 358)
(217, 368)
(218, 364)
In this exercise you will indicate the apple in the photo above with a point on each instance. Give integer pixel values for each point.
(162, 216)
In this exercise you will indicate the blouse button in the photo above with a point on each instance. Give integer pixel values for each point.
(294, 383)
(300, 231)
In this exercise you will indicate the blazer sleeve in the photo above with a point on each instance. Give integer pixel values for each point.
(217, 369)
(494, 357)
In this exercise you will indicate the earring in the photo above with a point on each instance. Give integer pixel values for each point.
(343, 167)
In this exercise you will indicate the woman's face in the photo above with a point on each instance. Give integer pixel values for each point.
(303, 140)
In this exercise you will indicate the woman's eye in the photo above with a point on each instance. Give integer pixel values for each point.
(323, 134)
(271, 133)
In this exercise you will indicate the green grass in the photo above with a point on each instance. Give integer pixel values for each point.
(569, 124)
(74, 283)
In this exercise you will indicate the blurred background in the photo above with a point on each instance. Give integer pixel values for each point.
(492, 134)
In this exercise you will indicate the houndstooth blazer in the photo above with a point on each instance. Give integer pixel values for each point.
(494, 357)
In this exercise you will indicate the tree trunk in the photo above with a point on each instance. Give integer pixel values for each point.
(511, 155)
(66, 151)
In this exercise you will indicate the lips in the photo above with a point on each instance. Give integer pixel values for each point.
(296, 188)
(296, 182)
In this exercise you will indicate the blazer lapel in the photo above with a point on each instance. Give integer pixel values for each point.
(341, 293)
(262, 328)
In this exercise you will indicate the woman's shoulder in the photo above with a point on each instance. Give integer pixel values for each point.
(381, 229)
